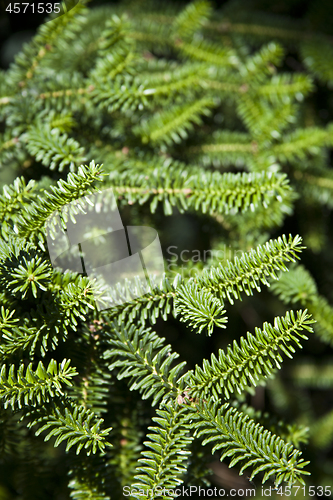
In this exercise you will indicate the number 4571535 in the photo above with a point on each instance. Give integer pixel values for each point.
(41, 8)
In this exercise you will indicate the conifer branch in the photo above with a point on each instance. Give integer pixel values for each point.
(199, 309)
(142, 356)
(301, 288)
(12, 199)
(35, 216)
(34, 387)
(164, 466)
(223, 282)
(209, 192)
(53, 149)
(244, 440)
(74, 424)
(174, 124)
(246, 362)
(246, 274)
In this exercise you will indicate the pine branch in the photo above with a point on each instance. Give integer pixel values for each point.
(209, 192)
(33, 218)
(312, 375)
(49, 34)
(224, 149)
(222, 282)
(246, 274)
(297, 145)
(261, 65)
(247, 362)
(140, 355)
(12, 199)
(321, 432)
(318, 57)
(300, 287)
(286, 87)
(192, 18)
(208, 52)
(34, 388)
(53, 149)
(199, 309)
(74, 424)
(245, 441)
(264, 121)
(164, 466)
(175, 124)
(36, 332)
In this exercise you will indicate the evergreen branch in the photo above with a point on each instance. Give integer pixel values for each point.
(34, 217)
(192, 18)
(199, 309)
(174, 124)
(224, 149)
(258, 66)
(10, 147)
(321, 431)
(286, 86)
(53, 149)
(34, 388)
(250, 225)
(164, 466)
(317, 56)
(270, 27)
(312, 375)
(83, 490)
(115, 37)
(267, 29)
(6, 321)
(27, 62)
(74, 424)
(303, 142)
(253, 358)
(300, 287)
(75, 298)
(68, 94)
(317, 186)
(130, 93)
(112, 65)
(246, 274)
(208, 52)
(264, 121)
(142, 356)
(150, 305)
(22, 273)
(244, 440)
(223, 282)
(209, 192)
(12, 199)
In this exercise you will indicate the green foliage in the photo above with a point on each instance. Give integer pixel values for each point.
(141, 355)
(188, 114)
(34, 387)
(76, 425)
(52, 149)
(301, 287)
(166, 463)
(200, 309)
(222, 425)
(255, 357)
